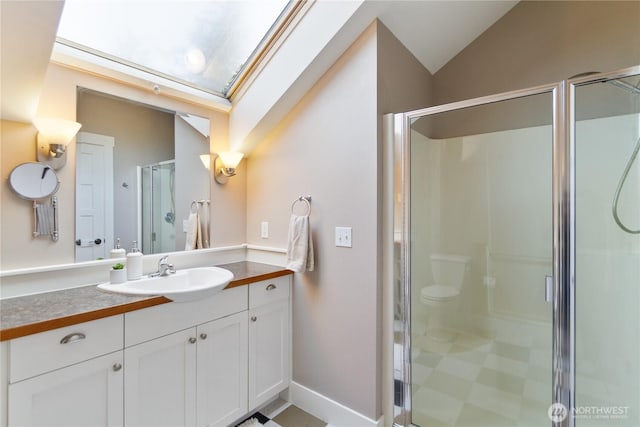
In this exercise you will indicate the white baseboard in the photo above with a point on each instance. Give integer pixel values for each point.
(328, 410)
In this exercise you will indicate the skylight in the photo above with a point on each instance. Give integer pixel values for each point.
(205, 44)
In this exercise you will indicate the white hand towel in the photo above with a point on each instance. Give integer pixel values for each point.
(300, 245)
(193, 239)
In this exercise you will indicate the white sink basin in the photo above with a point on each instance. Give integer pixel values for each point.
(184, 285)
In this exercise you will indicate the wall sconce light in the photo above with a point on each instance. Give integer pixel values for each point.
(53, 137)
(206, 160)
(225, 165)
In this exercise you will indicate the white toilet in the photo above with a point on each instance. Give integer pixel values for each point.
(448, 273)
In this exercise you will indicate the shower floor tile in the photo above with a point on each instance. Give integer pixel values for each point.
(501, 381)
(507, 366)
(476, 381)
(459, 368)
(533, 413)
(453, 386)
(511, 351)
(537, 390)
(495, 400)
(438, 405)
(428, 359)
(476, 416)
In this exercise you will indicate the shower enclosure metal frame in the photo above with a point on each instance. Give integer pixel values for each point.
(564, 266)
(140, 210)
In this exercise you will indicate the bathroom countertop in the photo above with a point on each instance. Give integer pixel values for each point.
(31, 314)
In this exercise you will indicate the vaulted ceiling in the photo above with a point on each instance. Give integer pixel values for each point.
(434, 31)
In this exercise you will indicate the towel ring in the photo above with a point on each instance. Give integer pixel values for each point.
(306, 200)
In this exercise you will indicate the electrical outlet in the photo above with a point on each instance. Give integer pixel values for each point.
(264, 230)
(343, 237)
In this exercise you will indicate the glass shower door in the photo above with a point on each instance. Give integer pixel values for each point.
(607, 137)
(480, 245)
(158, 208)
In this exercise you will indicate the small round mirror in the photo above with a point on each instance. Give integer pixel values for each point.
(33, 181)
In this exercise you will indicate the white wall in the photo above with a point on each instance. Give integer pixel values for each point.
(485, 192)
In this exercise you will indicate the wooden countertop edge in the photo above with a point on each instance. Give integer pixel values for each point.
(47, 325)
(258, 278)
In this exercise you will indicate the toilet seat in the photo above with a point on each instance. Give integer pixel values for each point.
(439, 293)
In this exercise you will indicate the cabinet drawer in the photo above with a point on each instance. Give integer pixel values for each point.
(268, 291)
(46, 351)
(153, 322)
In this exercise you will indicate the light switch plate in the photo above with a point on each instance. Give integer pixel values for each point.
(343, 237)
(264, 229)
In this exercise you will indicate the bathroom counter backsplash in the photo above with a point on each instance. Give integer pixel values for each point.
(31, 314)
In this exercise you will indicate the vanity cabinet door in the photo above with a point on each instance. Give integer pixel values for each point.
(269, 352)
(222, 370)
(160, 381)
(85, 394)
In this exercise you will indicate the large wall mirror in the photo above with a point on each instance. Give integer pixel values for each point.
(139, 176)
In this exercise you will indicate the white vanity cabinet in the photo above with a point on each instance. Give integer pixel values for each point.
(160, 381)
(222, 371)
(201, 363)
(269, 339)
(196, 376)
(72, 376)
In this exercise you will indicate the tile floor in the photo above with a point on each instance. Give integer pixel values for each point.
(475, 381)
(502, 381)
(282, 414)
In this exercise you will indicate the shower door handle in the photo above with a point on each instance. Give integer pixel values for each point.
(548, 288)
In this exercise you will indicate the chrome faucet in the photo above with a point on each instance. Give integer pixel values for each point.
(164, 268)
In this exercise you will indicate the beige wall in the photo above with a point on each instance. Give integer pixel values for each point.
(58, 99)
(540, 42)
(329, 146)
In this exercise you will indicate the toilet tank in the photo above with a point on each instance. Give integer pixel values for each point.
(449, 270)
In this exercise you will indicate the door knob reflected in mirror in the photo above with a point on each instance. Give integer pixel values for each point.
(80, 242)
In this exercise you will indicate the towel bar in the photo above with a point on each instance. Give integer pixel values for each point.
(305, 199)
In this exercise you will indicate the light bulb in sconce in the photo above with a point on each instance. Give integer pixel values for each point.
(53, 137)
(225, 165)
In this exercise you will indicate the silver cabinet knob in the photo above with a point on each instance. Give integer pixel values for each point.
(254, 318)
(192, 340)
(117, 367)
(203, 336)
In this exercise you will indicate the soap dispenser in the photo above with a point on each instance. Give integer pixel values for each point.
(117, 251)
(134, 263)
